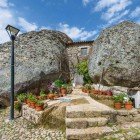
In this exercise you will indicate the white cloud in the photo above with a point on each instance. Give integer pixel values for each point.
(119, 17)
(27, 26)
(3, 3)
(104, 3)
(76, 33)
(7, 16)
(115, 9)
(135, 13)
(85, 2)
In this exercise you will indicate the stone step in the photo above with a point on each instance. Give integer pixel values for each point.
(80, 123)
(87, 111)
(88, 133)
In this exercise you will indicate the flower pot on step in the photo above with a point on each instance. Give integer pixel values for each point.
(39, 107)
(64, 91)
(128, 105)
(117, 105)
(32, 104)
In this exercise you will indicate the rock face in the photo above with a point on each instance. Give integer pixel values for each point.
(116, 56)
(39, 57)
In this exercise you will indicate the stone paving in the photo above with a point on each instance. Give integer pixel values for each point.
(20, 129)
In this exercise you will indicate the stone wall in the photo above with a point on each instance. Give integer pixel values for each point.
(74, 55)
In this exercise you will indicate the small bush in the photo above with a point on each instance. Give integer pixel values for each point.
(82, 69)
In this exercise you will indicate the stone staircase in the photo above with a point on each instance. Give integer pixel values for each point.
(88, 121)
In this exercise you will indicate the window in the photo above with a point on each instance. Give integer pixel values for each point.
(83, 51)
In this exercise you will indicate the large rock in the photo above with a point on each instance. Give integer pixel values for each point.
(117, 51)
(40, 57)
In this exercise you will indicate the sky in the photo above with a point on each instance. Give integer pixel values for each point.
(79, 19)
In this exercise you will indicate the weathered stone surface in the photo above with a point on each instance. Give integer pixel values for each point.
(127, 113)
(137, 118)
(117, 50)
(36, 117)
(40, 57)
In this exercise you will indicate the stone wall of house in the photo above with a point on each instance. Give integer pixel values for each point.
(74, 55)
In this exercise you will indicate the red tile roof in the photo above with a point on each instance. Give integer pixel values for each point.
(80, 43)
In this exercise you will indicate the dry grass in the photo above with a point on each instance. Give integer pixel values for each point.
(104, 100)
(79, 101)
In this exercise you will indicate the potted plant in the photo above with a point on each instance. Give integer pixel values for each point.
(56, 95)
(29, 96)
(22, 97)
(51, 89)
(83, 89)
(118, 99)
(69, 88)
(42, 96)
(127, 103)
(64, 89)
(32, 100)
(18, 106)
(88, 88)
(58, 83)
(108, 93)
(39, 106)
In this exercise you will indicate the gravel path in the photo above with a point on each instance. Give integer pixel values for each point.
(20, 129)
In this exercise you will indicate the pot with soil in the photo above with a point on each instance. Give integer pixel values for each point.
(56, 96)
(50, 96)
(128, 105)
(39, 106)
(31, 100)
(109, 93)
(117, 105)
(118, 99)
(64, 90)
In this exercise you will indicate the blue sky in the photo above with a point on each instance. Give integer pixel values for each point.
(80, 19)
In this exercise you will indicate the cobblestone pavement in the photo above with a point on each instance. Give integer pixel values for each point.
(20, 129)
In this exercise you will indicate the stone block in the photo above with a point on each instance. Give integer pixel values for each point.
(34, 116)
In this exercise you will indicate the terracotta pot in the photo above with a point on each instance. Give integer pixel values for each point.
(88, 91)
(39, 107)
(56, 96)
(64, 91)
(128, 106)
(117, 105)
(83, 90)
(109, 93)
(61, 95)
(32, 104)
(51, 96)
(97, 92)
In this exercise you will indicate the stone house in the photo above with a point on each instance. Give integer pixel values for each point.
(77, 51)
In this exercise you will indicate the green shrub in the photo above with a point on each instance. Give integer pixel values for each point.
(87, 86)
(31, 97)
(120, 97)
(39, 103)
(58, 83)
(18, 106)
(82, 69)
(42, 93)
(22, 97)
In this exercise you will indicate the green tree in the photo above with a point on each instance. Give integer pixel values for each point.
(82, 69)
